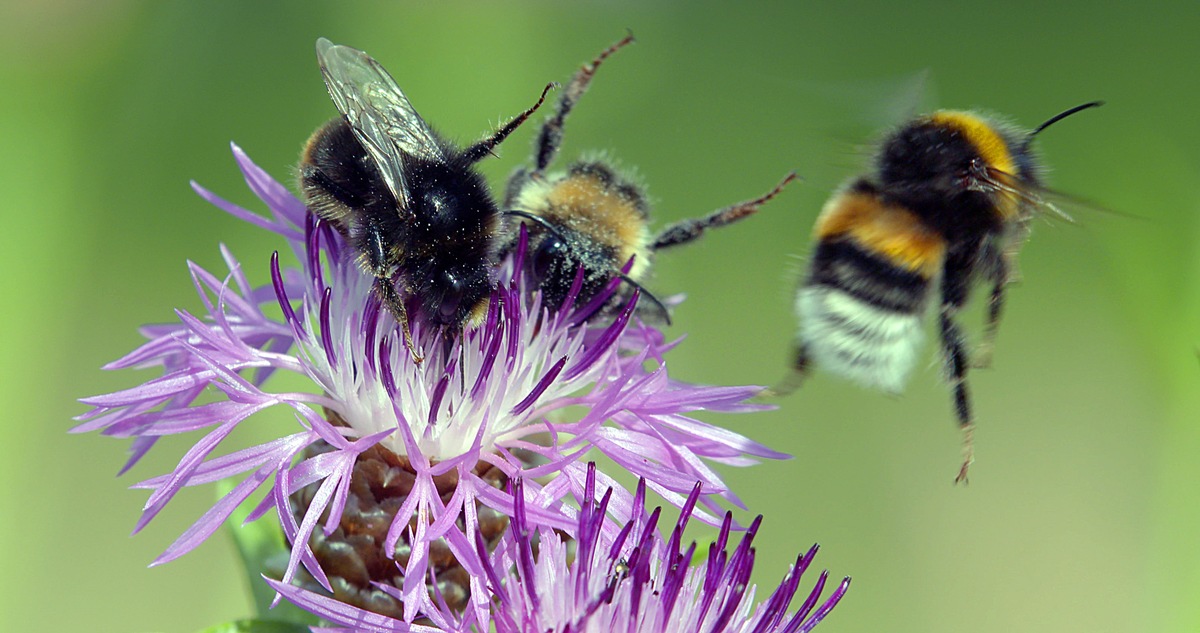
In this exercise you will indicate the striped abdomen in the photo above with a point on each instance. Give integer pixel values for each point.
(862, 305)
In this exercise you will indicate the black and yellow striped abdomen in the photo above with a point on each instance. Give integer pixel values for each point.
(862, 305)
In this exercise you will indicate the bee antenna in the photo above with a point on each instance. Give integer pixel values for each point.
(540, 221)
(627, 279)
(1056, 118)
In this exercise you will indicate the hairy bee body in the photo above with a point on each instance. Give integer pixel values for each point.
(946, 207)
(592, 219)
(410, 203)
(863, 303)
(444, 242)
(598, 223)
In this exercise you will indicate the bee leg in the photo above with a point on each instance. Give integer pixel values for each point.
(801, 367)
(550, 138)
(395, 304)
(956, 370)
(999, 266)
(375, 260)
(982, 357)
(448, 341)
(688, 230)
(484, 148)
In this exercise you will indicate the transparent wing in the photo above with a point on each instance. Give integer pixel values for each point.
(1040, 200)
(379, 114)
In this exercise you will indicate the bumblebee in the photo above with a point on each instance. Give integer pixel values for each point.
(948, 205)
(408, 201)
(593, 220)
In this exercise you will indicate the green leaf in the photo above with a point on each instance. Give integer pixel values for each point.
(257, 626)
(262, 548)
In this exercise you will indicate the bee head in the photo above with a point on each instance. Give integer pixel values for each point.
(557, 257)
(932, 160)
(451, 294)
(557, 254)
(549, 253)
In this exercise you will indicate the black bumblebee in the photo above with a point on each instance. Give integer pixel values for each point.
(410, 202)
(592, 218)
(949, 204)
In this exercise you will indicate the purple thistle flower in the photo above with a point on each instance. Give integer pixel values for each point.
(631, 580)
(469, 418)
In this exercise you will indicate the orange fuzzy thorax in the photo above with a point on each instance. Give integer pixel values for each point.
(608, 215)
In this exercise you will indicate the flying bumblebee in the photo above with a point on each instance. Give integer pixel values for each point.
(949, 203)
(593, 219)
(410, 202)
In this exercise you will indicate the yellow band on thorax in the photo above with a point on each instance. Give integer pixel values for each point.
(991, 147)
(981, 135)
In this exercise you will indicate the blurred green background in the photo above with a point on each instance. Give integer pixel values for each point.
(1081, 514)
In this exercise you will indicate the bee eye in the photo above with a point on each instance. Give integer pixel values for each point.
(975, 177)
(453, 289)
(549, 251)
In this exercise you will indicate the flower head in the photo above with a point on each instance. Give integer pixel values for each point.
(493, 405)
(632, 580)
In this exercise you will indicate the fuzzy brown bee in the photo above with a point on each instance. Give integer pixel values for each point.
(948, 205)
(593, 219)
(410, 202)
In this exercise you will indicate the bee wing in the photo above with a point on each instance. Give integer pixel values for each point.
(1065, 206)
(381, 117)
(1042, 201)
